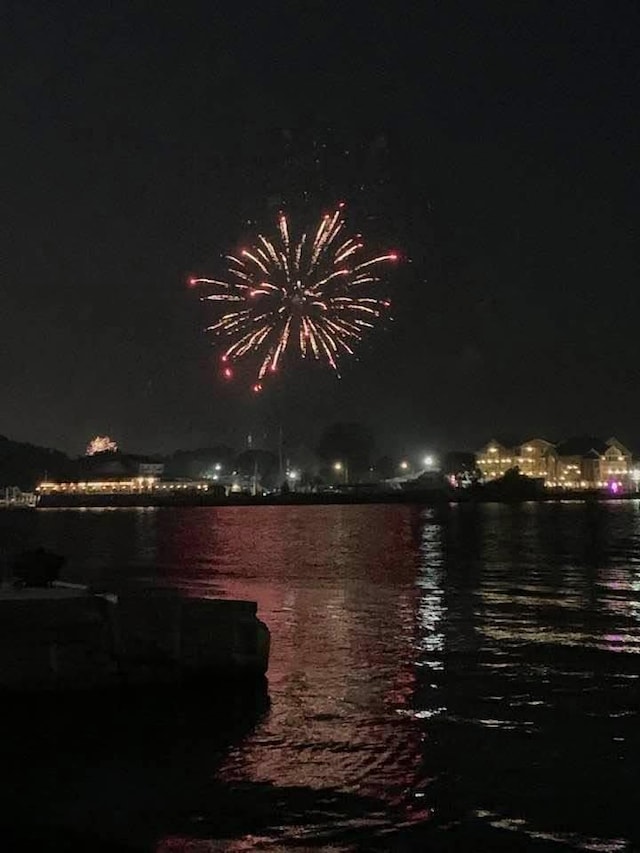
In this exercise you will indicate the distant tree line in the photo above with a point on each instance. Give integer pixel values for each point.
(24, 465)
(344, 452)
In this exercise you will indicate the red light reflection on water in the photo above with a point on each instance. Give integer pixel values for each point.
(341, 673)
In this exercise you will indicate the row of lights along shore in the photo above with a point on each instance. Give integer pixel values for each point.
(428, 463)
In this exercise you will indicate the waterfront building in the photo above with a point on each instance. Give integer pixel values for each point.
(150, 469)
(122, 486)
(616, 462)
(535, 458)
(583, 462)
(495, 459)
(146, 486)
(593, 463)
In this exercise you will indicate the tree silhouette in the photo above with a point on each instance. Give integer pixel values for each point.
(351, 444)
(260, 463)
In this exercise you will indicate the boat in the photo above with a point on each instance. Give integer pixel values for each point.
(60, 636)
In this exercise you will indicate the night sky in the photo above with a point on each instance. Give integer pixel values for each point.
(495, 145)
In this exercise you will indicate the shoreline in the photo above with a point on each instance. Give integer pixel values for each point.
(423, 497)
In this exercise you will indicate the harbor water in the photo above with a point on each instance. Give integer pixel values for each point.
(461, 678)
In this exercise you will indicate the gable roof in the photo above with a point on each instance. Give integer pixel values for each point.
(505, 442)
(614, 442)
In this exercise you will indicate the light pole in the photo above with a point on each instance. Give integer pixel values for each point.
(340, 466)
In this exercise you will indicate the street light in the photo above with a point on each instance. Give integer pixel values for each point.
(404, 465)
(428, 461)
(292, 477)
(340, 466)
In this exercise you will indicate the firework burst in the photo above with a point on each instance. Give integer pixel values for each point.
(312, 295)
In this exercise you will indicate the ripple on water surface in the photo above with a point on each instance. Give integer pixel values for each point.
(464, 678)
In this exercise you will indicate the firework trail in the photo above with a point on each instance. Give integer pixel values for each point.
(312, 296)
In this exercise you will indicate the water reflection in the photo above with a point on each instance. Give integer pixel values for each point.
(97, 543)
(342, 665)
(467, 676)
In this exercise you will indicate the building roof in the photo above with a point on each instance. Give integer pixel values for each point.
(579, 445)
(508, 442)
(511, 442)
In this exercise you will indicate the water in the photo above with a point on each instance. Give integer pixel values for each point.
(462, 679)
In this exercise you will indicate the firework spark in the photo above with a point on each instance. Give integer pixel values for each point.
(312, 295)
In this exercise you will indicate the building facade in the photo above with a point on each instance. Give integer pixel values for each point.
(576, 463)
(535, 458)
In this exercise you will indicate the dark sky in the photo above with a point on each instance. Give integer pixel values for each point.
(496, 145)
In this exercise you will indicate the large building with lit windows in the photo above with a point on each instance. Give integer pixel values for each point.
(536, 458)
(576, 463)
(591, 463)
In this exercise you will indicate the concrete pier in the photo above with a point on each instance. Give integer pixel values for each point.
(56, 638)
